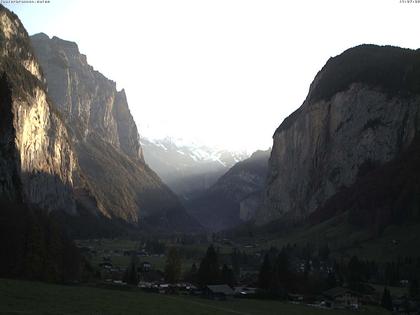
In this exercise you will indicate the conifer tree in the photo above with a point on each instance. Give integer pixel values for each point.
(209, 273)
(386, 301)
(173, 266)
(265, 276)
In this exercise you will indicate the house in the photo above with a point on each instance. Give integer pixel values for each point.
(185, 288)
(404, 305)
(152, 276)
(218, 292)
(164, 288)
(296, 298)
(340, 297)
(145, 266)
(245, 291)
(196, 292)
(106, 265)
(146, 273)
(145, 285)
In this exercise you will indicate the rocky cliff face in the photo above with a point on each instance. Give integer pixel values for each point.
(362, 110)
(88, 101)
(106, 138)
(37, 162)
(235, 197)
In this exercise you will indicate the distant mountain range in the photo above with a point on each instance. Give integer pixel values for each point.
(235, 197)
(188, 168)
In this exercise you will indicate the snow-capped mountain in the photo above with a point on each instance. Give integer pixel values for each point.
(186, 167)
(235, 197)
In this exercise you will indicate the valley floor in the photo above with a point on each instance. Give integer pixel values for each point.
(22, 297)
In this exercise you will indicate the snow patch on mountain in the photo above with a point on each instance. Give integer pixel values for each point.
(187, 166)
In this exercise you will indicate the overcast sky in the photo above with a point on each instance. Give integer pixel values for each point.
(218, 72)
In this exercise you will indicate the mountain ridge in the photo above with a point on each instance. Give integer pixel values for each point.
(188, 168)
(364, 105)
(34, 168)
(106, 138)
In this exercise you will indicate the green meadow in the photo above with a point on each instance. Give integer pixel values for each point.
(23, 297)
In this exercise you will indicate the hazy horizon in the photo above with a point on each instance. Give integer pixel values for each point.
(219, 73)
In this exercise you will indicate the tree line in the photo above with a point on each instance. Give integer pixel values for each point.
(35, 248)
(297, 270)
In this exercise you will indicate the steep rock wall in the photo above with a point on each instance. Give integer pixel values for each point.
(37, 162)
(106, 137)
(362, 110)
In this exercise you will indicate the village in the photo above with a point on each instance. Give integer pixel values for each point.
(301, 275)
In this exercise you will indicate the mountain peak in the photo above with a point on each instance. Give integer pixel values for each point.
(40, 36)
(393, 69)
(185, 166)
(37, 161)
(69, 45)
(106, 138)
(360, 113)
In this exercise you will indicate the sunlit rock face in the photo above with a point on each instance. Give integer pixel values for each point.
(37, 163)
(362, 110)
(89, 102)
(105, 137)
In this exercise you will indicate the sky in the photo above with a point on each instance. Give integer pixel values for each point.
(218, 72)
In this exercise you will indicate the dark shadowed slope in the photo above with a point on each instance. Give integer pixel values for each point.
(235, 197)
(38, 167)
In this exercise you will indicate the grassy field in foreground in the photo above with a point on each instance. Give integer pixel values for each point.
(21, 297)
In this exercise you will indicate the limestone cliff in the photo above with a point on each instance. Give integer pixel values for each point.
(37, 162)
(106, 137)
(362, 110)
(88, 101)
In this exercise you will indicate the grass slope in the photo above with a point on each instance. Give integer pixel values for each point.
(345, 241)
(38, 298)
